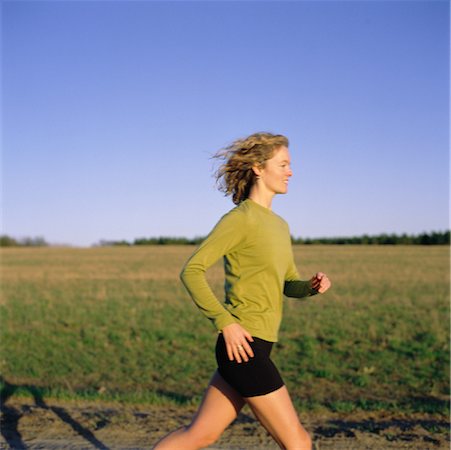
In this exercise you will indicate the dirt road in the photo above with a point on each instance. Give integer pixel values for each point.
(26, 424)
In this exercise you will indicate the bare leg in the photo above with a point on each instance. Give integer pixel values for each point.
(276, 413)
(220, 406)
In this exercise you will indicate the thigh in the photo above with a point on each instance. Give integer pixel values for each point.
(258, 376)
(277, 414)
(220, 406)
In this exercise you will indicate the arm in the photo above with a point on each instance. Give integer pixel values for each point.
(299, 288)
(294, 287)
(226, 236)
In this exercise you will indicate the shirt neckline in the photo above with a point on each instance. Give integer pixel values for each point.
(260, 207)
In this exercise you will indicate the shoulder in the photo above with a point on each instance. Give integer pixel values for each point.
(282, 221)
(237, 216)
(242, 210)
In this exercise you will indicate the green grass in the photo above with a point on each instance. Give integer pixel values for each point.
(116, 324)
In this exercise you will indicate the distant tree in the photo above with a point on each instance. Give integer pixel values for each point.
(33, 242)
(7, 241)
(106, 243)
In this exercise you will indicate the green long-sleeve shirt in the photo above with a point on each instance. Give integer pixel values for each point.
(259, 268)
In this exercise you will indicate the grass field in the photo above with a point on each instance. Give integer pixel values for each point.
(116, 324)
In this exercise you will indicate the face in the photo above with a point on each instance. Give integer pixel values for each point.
(275, 174)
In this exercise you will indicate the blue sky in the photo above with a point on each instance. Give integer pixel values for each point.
(112, 109)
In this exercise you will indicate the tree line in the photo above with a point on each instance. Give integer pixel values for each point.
(432, 238)
(8, 241)
(162, 240)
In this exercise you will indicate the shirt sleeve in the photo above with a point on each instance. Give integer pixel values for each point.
(226, 237)
(294, 287)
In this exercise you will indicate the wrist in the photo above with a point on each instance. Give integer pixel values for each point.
(312, 290)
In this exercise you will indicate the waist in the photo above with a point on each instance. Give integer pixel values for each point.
(258, 345)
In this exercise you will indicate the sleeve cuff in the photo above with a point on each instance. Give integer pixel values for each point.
(221, 322)
(312, 291)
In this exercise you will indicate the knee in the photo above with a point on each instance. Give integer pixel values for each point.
(300, 441)
(305, 440)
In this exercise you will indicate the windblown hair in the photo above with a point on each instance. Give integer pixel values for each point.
(235, 175)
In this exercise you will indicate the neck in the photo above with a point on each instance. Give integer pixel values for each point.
(261, 197)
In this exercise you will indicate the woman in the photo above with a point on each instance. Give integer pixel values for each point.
(259, 270)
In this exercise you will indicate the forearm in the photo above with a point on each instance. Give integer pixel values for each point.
(202, 295)
(299, 289)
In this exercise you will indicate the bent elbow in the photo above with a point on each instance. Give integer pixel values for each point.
(183, 275)
(189, 272)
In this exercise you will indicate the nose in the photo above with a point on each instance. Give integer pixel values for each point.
(290, 172)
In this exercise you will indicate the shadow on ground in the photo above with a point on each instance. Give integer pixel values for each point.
(9, 422)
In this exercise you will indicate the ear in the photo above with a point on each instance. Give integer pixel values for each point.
(257, 170)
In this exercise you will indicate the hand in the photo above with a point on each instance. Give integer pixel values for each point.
(320, 282)
(237, 345)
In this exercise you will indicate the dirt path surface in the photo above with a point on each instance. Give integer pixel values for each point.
(84, 425)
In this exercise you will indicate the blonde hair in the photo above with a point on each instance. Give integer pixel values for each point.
(235, 175)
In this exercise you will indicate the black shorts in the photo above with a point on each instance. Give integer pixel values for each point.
(258, 376)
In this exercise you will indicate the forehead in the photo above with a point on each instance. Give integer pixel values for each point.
(281, 154)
